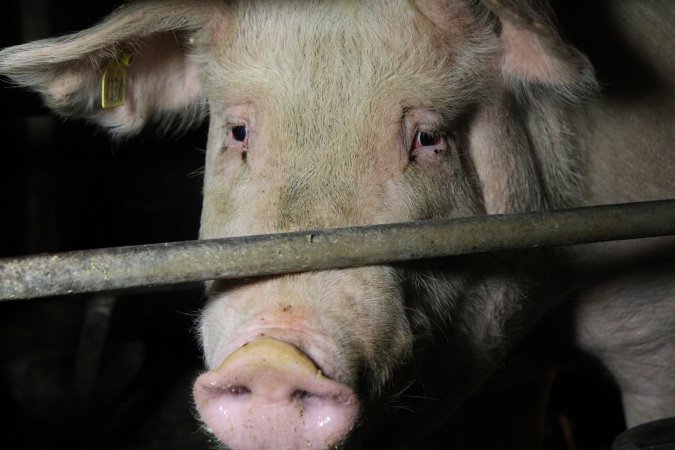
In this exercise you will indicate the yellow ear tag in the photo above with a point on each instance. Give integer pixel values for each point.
(113, 85)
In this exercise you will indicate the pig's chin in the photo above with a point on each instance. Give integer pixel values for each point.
(269, 394)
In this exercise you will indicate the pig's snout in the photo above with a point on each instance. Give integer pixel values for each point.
(268, 394)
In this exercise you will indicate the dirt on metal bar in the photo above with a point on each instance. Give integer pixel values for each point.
(179, 262)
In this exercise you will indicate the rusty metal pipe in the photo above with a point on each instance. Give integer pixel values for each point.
(180, 262)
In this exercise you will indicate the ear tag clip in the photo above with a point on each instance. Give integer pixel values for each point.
(113, 85)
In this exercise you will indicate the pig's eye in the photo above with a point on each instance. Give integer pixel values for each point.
(427, 144)
(240, 133)
(426, 139)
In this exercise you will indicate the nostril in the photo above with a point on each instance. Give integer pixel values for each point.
(237, 390)
(300, 395)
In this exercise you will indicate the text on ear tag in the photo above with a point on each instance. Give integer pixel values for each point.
(113, 85)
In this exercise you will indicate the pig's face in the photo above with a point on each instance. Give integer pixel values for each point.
(330, 114)
(359, 119)
(325, 117)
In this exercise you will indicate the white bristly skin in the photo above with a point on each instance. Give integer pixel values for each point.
(339, 113)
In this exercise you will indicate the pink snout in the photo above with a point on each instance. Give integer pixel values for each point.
(270, 395)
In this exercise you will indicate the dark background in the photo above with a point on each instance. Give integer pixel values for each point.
(64, 381)
(115, 371)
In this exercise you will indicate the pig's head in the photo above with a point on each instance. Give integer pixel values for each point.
(330, 114)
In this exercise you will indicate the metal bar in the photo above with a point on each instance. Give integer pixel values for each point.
(180, 262)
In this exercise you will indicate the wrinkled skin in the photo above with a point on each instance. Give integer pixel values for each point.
(331, 114)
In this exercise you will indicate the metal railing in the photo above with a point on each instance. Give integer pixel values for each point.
(181, 262)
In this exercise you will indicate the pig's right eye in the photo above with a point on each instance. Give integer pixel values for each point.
(239, 133)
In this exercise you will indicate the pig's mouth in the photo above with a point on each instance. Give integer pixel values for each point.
(270, 394)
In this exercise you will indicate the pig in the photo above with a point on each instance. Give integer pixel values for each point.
(344, 113)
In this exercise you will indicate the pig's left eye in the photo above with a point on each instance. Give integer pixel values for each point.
(426, 142)
(426, 139)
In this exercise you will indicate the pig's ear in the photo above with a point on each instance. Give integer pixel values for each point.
(534, 53)
(133, 65)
